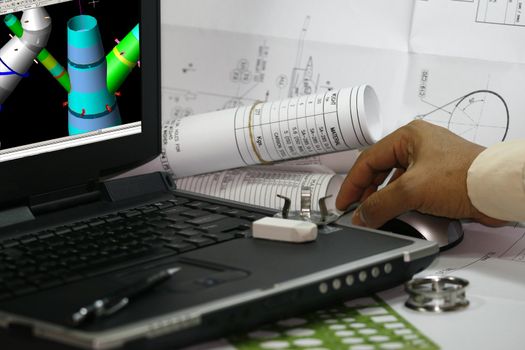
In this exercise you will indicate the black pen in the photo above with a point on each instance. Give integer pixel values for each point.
(352, 207)
(115, 302)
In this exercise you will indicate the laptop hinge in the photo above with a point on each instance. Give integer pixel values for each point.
(111, 191)
(63, 199)
(138, 186)
(15, 216)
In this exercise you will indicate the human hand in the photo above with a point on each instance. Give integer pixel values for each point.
(431, 177)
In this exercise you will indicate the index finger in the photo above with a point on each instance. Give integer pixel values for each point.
(391, 152)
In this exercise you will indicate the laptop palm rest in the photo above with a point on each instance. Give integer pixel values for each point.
(244, 265)
(210, 274)
(281, 261)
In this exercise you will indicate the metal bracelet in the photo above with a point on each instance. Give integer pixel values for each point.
(436, 294)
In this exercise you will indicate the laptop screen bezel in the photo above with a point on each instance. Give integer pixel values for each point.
(22, 178)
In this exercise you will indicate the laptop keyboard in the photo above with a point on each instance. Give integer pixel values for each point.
(104, 244)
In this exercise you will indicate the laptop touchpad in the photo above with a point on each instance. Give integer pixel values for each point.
(194, 275)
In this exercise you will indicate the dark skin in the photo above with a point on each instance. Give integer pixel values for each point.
(431, 177)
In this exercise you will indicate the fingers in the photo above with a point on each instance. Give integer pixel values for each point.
(380, 178)
(391, 152)
(384, 205)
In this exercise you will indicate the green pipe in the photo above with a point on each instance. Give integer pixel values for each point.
(122, 59)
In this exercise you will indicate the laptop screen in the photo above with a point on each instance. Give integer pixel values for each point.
(69, 74)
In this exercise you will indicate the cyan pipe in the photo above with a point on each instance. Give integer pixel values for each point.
(91, 105)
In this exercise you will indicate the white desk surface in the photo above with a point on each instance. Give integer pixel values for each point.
(493, 261)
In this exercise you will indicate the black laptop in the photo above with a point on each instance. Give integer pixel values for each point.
(80, 100)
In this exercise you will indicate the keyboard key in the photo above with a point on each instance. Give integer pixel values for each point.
(225, 225)
(163, 205)
(220, 237)
(10, 243)
(175, 211)
(130, 213)
(252, 216)
(194, 213)
(147, 209)
(153, 243)
(197, 204)
(181, 247)
(235, 212)
(179, 201)
(79, 227)
(112, 218)
(199, 241)
(63, 230)
(189, 233)
(242, 233)
(28, 239)
(180, 226)
(216, 208)
(46, 235)
(95, 222)
(159, 224)
(176, 219)
(206, 219)
(52, 240)
(163, 231)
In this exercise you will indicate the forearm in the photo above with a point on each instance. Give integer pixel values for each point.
(496, 181)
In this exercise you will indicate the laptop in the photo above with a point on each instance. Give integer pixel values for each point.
(80, 98)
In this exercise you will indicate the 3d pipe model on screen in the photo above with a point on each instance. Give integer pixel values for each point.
(44, 57)
(91, 80)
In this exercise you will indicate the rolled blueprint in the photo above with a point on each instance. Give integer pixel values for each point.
(269, 132)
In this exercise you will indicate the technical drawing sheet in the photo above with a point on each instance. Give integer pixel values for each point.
(478, 29)
(481, 101)
(458, 64)
(469, 70)
(206, 70)
(381, 24)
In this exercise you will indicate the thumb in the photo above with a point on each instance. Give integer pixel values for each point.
(382, 206)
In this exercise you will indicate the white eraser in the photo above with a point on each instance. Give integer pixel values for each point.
(277, 229)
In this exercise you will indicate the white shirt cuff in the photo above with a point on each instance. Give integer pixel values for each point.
(496, 181)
